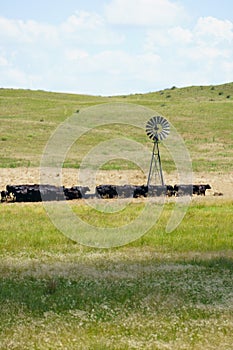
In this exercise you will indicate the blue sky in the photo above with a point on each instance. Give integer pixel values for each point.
(110, 47)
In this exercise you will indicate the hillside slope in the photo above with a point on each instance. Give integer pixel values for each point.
(203, 115)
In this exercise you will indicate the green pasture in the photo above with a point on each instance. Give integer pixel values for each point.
(163, 291)
(202, 115)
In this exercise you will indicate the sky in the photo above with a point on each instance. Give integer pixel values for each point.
(115, 47)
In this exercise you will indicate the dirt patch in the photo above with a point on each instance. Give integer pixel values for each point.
(220, 183)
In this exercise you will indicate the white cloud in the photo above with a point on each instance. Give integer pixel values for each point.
(87, 53)
(206, 53)
(208, 32)
(14, 77)
(227, 68)
(89, 29)
(3, 61)
(107, 72)
(82, 27)
(76, 54)
(203, 40)
(199, 55)
(180, 35)
(82, 20)
(144, 12)
(157, 40)
(18, 31)
(125, 64)
(9, 28)
(214, 29)
(61, 57)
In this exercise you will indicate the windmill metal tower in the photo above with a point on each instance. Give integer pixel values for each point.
(157, 129)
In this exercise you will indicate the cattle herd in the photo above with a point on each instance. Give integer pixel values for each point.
(38, 193)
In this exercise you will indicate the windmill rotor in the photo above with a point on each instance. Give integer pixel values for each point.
(157, 128)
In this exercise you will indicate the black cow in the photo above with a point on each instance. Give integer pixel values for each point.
(200, 189)
(170, 191)
(125, 191)
(196, 189)
(157, 190)
(203, 188)
(106, 191)
(49, 193)
(45, 192)
(140, 191)
(18, 192)
(34, 193)
(72, 193)
(82, 189)
(4, 196)
(183, 190)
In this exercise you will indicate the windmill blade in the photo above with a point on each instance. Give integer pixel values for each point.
(157, 128)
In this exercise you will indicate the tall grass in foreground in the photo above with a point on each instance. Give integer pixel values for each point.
(164, 291)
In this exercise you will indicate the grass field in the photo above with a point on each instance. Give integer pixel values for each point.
(162, 291)
(202, 115)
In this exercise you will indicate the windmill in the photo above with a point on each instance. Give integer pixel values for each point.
(157, 129)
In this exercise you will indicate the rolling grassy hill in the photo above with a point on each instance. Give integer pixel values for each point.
(203, 115)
